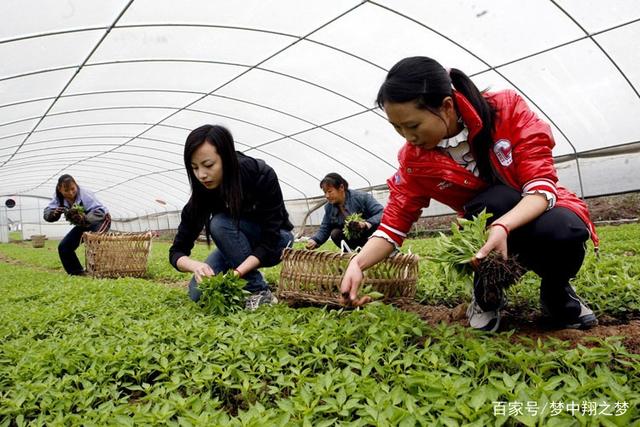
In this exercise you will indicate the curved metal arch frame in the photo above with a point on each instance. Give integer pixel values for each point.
(305, 37)
(283, 136)
(494, 68)
(27, 164)
(284, 182)
(116, 146)
(113, 25)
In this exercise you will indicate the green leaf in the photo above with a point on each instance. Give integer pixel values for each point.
(349, 232)
(222, 293)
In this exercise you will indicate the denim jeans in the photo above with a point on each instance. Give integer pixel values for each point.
(68, 245)
(234, 242)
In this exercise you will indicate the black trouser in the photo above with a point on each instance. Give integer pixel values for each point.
(69, 244)
(337, 236)
(552, 245)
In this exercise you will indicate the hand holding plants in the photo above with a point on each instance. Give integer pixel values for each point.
(201, 270)
(354, 224)
(496, 241)
(350, 282)
(474, 248)
(349, 287)
(76, 215)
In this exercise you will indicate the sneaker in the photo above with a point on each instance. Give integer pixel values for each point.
(586, 319)
(259, 298)
(488, 321)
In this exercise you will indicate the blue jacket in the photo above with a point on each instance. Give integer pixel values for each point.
(95, 212)
(355, 202)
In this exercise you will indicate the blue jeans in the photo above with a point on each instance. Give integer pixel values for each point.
(68, 245)
(234, 242)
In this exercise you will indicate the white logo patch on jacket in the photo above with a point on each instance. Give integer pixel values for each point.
(502, 149)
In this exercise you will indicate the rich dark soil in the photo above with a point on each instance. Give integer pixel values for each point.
(531, 325)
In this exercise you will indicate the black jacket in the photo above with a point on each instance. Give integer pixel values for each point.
(262, 204)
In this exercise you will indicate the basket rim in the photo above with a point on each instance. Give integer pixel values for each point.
(347, 255)
(115, 235)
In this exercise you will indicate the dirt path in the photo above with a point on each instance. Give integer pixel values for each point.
(532, 327)
(163, 281)
(12, 261)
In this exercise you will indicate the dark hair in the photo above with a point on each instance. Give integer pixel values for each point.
(335, 180)
(230, 190)
(64, 181)
(426, 82)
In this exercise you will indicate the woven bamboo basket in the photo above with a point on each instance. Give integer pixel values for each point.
(315, 276)
(37, 240)
(117, 254)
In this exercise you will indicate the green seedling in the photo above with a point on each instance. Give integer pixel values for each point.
(458, 251)
(222, 294)
(75, 214)
(350, 229)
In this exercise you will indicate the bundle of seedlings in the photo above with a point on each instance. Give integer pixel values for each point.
(351, 228)
(457, 252)
(75, 215)
(222, 294)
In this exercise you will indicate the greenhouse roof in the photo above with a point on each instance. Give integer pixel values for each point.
(107, 90)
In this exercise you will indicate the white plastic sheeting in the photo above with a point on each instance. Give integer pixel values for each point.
(107, 90)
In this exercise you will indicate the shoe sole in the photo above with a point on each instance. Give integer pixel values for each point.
(492, 326)
(588, 322)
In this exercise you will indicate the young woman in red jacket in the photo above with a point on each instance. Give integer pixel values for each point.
(473, 150)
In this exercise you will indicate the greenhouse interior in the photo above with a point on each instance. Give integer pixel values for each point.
(108, 91)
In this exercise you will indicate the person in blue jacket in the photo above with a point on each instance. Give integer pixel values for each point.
(95, 217)
(342, 202)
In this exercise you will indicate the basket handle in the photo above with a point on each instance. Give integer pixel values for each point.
(344, 247)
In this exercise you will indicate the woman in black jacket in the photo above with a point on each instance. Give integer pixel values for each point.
(238, 201)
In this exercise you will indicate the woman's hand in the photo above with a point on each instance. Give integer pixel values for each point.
(374, 251)
(350, 283)
(528, 208)
(364, 225)
(311, 244)
(201, 270)
(497, 241)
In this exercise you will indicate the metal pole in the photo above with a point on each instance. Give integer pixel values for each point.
(38, 216)
(4, 223)
(20, 212)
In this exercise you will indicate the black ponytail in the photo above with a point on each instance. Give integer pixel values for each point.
(483, 141)
(426, 82)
